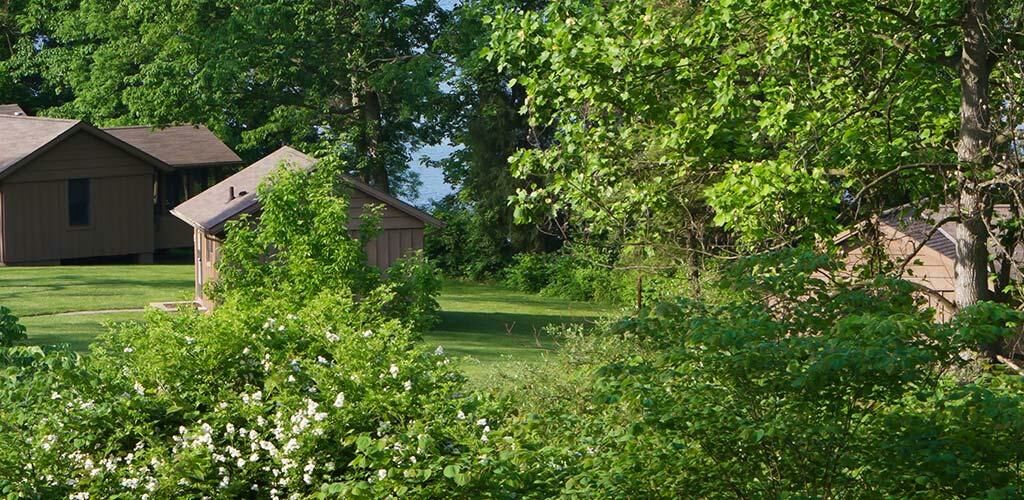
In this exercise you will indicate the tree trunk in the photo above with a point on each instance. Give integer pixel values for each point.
(376, 173)
(973, 153)
(694, 261)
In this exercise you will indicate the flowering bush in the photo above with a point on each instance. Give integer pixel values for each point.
(237, 403)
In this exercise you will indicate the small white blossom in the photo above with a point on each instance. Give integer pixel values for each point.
(332, 336)
(367, 334)
(393, 370)
(129, 350)
(439, 351)
(339, 401)
(383, 473)
(407, 385)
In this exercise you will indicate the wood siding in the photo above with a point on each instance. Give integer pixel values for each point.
(929, 269)
(35, 204)
(172, 232)
(207, 251)
(401, 233)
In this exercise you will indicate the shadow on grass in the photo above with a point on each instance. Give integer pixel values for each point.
(489, 324)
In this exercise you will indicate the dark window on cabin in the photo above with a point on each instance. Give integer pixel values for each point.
(79, 202)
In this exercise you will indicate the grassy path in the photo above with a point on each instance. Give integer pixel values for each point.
(487, 327)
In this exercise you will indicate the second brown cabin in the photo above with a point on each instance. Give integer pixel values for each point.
(402, 225)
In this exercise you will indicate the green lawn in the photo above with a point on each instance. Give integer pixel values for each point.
(488, 328)
(30, 291)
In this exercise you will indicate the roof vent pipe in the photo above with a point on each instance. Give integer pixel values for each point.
(231, 193)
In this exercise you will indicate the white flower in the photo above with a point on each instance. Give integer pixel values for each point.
(230, 428)
(280, 328)
(482, 422)
(82, 495)
(460, 415)
(339, 401)
(331, 336)
(439, 351)
(383, 473)
(56, 395)
(190, 340)
(129, 350)
(367, 334)
(240, 463)
(246, 350)
(393, 370)
(407, 385)
(139, 389)
(322, 360)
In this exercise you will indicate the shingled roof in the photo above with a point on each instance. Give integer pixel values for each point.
(180, 146)
(236, 195)
(26, 137)
(11, 110)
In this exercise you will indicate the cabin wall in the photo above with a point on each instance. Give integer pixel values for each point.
(207, 252)
(401, 233)
(929, 269)
(35, 204)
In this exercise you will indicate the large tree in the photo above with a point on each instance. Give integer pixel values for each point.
(482, 118)
(781, 121)
(355, 78)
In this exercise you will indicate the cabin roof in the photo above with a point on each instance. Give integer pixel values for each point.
(11, 110)
(180, 146)
(210, 209)
(24, 138)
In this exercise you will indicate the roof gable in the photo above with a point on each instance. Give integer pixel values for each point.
(24, 138)
(236, 195)
(179, 146)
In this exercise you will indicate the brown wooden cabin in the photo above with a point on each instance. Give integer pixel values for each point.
(71, 191)
(902, 231)
(401, 232)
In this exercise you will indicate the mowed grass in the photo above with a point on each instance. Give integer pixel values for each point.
(494, 329)
(31, 291)
(487, 328)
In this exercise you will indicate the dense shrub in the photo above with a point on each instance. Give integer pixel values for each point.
(589, 275)
(471, 244)
(298, 247)
(793, 388)
(416, 282)
(10, 329)
(530, 272)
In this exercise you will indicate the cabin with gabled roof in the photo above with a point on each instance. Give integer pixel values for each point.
(402, 225)
(70, 191)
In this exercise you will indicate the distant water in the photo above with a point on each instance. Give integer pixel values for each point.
(434, 187)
